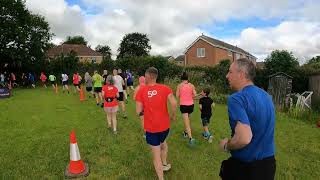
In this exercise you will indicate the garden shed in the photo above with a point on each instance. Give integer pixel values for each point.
(280, 84)
(314, 85)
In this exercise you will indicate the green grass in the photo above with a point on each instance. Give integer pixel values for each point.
(36, 123)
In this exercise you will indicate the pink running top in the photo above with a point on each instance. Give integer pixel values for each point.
(186, 94)
(141, 80)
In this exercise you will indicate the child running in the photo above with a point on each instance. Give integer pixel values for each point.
(205, 105)
(110, 94)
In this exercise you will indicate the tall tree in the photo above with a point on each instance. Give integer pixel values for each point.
(104, 50)
(314, 60)
(134, 45)
(75, 40)
(281, 61)
(24, 37)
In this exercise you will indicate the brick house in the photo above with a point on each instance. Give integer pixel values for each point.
(180, 60)
(207, 51)
(84, 53)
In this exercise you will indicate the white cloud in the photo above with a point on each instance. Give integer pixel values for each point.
(302, 38)
(173, 25)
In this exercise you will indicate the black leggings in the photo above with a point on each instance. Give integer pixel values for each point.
(233, 169)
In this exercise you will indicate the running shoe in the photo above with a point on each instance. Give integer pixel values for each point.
(192, 141)
(185, 134)
(166, 167)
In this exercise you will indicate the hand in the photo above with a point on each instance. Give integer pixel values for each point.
(222, 144)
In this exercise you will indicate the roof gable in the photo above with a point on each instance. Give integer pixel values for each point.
(220, 44)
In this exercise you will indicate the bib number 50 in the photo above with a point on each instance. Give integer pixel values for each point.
(152, 93)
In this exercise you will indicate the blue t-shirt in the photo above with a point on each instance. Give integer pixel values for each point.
(254, 107)
(129, 78)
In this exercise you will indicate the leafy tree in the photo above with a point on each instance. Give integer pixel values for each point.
(314, 60)
(105, 51)
(24, 36)
(75, 40)
(281, 61)
(134, 44)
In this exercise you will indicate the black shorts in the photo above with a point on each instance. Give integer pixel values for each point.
(129, 83)
(155, 139)
(262, 169)
(124, 87)
(120, 98)
(97, 89)
(64, 83)
(89, 89)
(53, 82)
(75, 85)
(186, 109)
(205, 120)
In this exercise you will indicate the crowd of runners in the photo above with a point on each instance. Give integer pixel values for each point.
(250, 110)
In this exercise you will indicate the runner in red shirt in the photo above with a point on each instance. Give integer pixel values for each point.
(141, 84)
(151, 102)
(110, 94)
(43, 79)
(76, 81)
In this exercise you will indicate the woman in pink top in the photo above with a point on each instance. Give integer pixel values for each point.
(186, 92)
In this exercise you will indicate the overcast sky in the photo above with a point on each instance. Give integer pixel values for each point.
(171, 25)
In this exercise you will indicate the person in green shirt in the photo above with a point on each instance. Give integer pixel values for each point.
(52, 79)
(97, 87)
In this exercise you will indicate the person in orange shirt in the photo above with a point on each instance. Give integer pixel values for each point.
(110, 94)
(43, 79)
(151, 102)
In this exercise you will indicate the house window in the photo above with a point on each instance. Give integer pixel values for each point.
(201, 52)
(230, 53)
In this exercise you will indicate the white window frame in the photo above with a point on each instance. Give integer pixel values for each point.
(201, 52)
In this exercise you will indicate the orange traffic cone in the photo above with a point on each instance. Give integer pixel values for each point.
(76, 168)
(56, 89)
(82, 97)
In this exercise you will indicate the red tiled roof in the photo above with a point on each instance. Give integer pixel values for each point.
(81, 50)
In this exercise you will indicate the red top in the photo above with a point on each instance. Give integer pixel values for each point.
(75, 79)
(43, 77)
(110, 92)
(13, 77)
(154, 100)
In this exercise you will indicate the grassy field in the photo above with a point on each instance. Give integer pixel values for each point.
(36, 123)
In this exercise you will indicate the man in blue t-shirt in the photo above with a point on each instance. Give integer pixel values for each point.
(252, 120)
